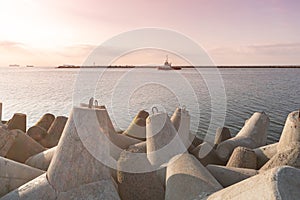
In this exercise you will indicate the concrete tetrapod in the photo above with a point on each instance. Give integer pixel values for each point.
(39, 130)
(278, 183)
(37, 133)
(54, 133)
(187, 178)
(137, 128)
(41, 160)
(181, 121)
(145, 185)
(230, 175)
(206, 154)
(141, 146)
(45, 121)
(103, 190)
(163, 141)
(265, 153)
(73, 168)
(22, 147)
(72, 164)
(6, 141)
(14, 174)
(222, 134)
(38, 188)
(119, 142)
(252, 135)
(144, 164)
(289, 157)
(242, 158)
(291, 132)
(18, 121)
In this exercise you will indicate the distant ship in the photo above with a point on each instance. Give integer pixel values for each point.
(168, 66)
(29, 65)
(14, 65)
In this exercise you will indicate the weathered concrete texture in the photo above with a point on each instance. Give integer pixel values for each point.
(38, 188)
(54, 132)
(265, 153)
(41, 160)
(163, 141)
(6, 141)
(242, 158)
(72, 164)
(230, 175)
(176, 118)
(279, 183)
(181, 121)
(252, 135)
(37, 133)
(141, 148)
(14, 174)
(119, 140)
(187, 178)
(290, 133)
(39, 130)
(18, 121)
(101, 190)
(289, 157)
(137, 128)
(93, 106)
(161, 172)
(222, 134)
(207, 155)
(23, 147)
(45, 121)
(138, 185)
(73, 170)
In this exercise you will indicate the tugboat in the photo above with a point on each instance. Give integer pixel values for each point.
(168, 65)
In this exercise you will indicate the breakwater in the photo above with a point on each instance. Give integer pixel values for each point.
(82, 156)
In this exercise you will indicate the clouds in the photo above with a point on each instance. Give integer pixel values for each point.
(81, 50)
(13, 46)
(22, 54)
(67, 31)
(258, 54)
(276, 49)
(253, 54)
(266, 49)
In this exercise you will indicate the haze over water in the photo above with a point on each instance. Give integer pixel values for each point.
(36, 91)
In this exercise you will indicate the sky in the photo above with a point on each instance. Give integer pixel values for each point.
(232, 32)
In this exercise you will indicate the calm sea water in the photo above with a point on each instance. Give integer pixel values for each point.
(36, 91)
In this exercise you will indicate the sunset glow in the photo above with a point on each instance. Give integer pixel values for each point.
(233, 32)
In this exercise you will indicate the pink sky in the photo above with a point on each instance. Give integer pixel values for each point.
(55, 32)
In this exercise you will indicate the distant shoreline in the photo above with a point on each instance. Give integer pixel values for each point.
(183, 67)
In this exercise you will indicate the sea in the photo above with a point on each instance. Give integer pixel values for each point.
(213, 97)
